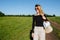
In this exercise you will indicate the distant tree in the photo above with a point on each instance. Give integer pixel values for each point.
(48, 15)
(29, 15)
(54, 15)
(23, 15)
(2, 14)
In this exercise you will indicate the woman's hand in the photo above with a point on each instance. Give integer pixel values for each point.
(32, 35)
(43, 16)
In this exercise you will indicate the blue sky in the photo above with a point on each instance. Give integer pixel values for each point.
(26, 7)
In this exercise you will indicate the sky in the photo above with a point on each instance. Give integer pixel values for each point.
(27, 7)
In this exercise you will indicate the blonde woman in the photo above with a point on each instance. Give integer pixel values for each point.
(38, 32)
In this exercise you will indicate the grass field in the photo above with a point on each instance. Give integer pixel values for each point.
(15, 28)
(55, 19)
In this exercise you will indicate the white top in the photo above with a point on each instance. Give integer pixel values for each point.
(46, 23)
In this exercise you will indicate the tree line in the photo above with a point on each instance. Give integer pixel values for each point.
(2, 14)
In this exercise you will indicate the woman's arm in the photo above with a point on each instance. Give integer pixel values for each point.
(44, 17)
(33, 23)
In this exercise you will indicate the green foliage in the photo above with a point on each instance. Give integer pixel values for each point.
(50, 15)
(54, 15)
(1, 14)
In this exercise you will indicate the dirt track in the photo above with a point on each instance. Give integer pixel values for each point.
(52, 36)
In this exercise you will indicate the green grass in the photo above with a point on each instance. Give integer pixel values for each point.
(15, 28)
(55, 19)
(18, 28)
(56, 31)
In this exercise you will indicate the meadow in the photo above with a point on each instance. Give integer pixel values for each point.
(57, 20)
(16, 28)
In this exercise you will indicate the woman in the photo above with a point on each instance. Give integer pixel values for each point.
(37, 24)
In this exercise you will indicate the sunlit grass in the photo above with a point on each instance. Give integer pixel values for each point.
(15, 28)
(18, 28)
(55, 19)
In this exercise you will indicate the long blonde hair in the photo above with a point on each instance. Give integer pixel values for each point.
(40, 10)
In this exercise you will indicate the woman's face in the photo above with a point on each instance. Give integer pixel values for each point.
(37, 9)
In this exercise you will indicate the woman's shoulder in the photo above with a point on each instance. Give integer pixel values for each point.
(36, 15)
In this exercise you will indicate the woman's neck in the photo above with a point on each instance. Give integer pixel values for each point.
(38, 14)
